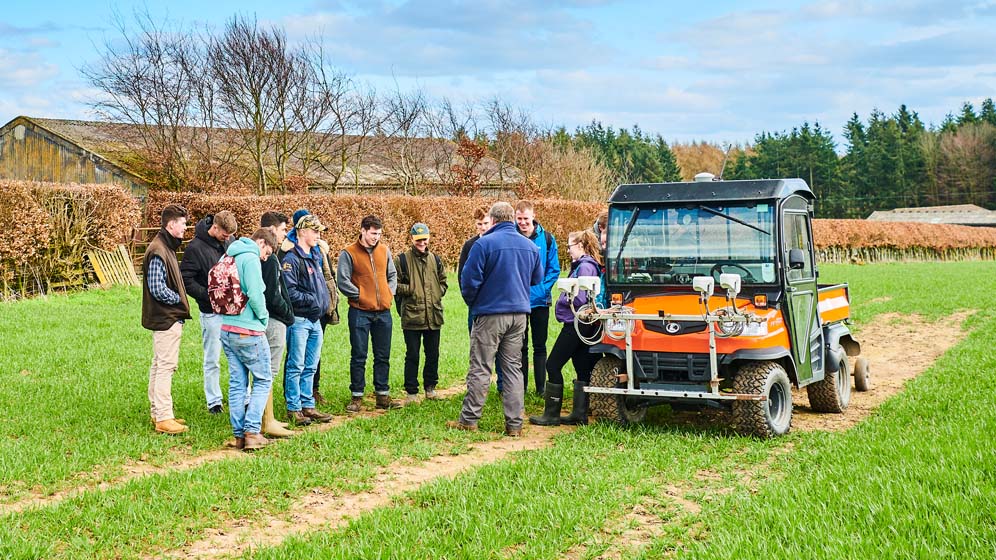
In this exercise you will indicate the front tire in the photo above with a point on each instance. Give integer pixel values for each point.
(862, 374)
(613, 408)
(768, 418)
(833, 393)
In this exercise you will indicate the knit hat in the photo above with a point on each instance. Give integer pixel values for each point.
(299, 213)
(309, 221)
(419, 232)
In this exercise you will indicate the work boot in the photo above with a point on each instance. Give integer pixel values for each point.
(298, 418)
(270, 425)
(254, 441)
(177, 420)
(553, 397)
(171, 427)
(385, 402)
(411, 398)
(458, 425)
(236, 443)
(316, 415)
(539, 374)
(513, 432)
(355, 405)
(579, 414)
(430, 394)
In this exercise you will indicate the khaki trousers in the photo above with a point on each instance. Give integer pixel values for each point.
(165, 356)
(495, 336)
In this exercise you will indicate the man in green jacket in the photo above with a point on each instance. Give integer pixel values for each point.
(243, 337)
(421, 287)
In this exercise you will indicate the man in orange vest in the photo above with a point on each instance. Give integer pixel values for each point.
(367, 277)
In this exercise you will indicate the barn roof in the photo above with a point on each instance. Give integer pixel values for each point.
(957, 214)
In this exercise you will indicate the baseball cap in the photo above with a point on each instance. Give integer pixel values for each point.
(420, 231)
(310, 221)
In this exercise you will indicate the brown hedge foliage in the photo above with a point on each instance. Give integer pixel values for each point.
(49, 227)
(450, 219)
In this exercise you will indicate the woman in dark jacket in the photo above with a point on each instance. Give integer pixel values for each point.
(586, 256)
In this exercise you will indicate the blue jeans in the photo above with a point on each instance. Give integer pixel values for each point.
(365, 326)
(211, 342)
(470, 329)
(248, 358)
(304, 348)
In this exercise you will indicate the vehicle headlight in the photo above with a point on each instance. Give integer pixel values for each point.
(756, 329)
(615, 328)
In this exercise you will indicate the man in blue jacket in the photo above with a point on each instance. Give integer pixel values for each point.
(539, 295)
(309, 295)
(243, 337)
(495, 283)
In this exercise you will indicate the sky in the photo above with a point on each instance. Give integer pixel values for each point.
(719, 71)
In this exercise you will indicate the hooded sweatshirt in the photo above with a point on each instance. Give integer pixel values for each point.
(254, 317)
(201, 254)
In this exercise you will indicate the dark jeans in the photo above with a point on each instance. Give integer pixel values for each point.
(569, 347)
(414, 339)
(366, 326)
(539, 325)
(470, 328)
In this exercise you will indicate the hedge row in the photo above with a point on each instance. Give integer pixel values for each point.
(450, 219)
(48, 227)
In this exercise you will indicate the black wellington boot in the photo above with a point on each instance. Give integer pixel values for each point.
(579, 415)
(552, 400)
(539, 374)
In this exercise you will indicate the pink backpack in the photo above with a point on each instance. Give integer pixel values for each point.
(224, 290)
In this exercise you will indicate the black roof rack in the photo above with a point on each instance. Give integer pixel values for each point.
(710, 191)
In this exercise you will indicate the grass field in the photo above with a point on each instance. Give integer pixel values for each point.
(915, 480)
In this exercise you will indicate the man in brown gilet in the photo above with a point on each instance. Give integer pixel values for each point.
(367, 277)
(164, 309)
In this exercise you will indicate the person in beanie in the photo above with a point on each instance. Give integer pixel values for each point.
(281, 311)
(368, 278)
(421, 287)
(243, 337)
(586, 256)
(500, 269)
(306, 288)
(164, 309)
(211, 237)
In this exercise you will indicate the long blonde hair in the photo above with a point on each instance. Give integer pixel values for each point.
(589, 243)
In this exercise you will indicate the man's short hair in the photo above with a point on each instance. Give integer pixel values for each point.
(371, 222)
(273, 219)
(524, 206)
(479, 214)
(267, 236)
(601, 221)
(502, 212)
(226, 221)
(172, 212)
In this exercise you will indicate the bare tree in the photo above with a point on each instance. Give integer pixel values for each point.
(512, 133)
(405, 130)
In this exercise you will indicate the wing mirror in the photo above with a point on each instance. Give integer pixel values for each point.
(797, 259)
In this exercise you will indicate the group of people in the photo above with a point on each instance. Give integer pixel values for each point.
(291, 290)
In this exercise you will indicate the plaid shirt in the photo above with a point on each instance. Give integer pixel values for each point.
(157, 283)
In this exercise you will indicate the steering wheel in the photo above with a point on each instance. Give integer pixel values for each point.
(717, 269)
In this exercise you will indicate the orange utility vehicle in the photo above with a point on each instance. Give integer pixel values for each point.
(715, 303)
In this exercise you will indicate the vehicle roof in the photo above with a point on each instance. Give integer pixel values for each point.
(710, 191)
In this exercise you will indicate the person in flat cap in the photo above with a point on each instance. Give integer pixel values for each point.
(309, 296)
(421, 287)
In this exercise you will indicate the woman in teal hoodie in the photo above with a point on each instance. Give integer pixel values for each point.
(243, 337)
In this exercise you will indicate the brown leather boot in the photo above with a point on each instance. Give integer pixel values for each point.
(458, 425)
(298, 418)
(171, 427)
(513, 432)
(355, 405)
(315, 415)
(270, 425)
(385, 402)
(254, 441)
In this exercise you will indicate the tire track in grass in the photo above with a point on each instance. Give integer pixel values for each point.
(321, 509)
(139, 469)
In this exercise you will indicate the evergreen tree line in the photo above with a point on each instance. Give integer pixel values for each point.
(892, 161)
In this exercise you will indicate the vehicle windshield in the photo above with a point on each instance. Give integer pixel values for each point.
(671, 245)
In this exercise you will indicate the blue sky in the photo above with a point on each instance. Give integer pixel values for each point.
(718, 71)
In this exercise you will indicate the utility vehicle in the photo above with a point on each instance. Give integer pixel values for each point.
(715, 303)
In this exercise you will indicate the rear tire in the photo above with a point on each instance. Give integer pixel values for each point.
(612, 408)
(862, 374)
(768, 418)
(833, 393)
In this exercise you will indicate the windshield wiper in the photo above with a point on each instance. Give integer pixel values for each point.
(629, 228)
(732, 219)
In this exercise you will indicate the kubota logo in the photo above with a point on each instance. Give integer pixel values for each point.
(672, 328)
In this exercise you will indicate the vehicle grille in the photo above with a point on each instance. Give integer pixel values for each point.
(673, 366)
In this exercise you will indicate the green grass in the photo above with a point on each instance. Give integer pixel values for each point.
(915, 480)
